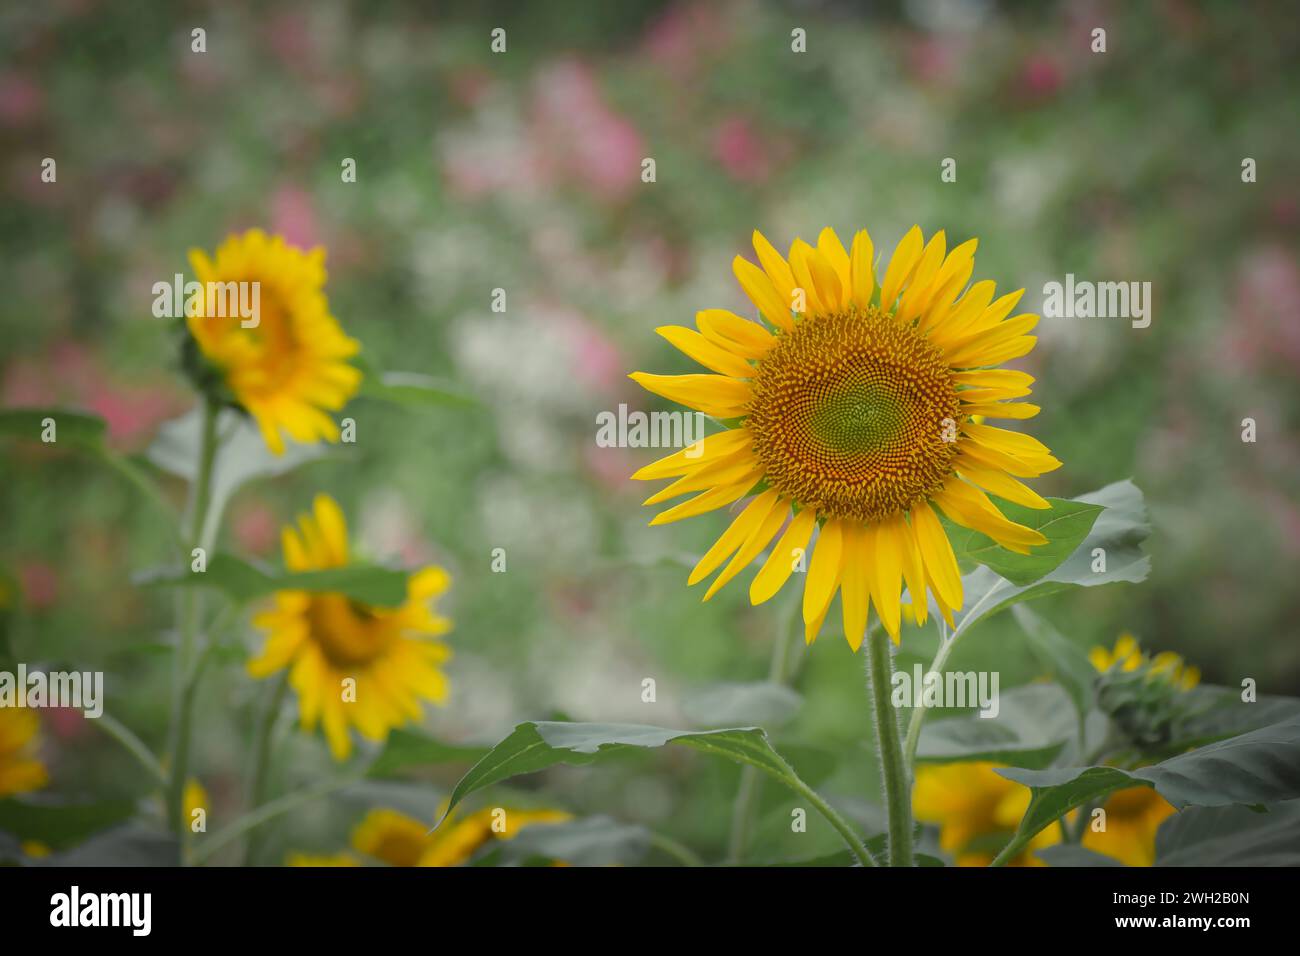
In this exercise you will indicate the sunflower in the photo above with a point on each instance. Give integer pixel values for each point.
(318, 860)
(291, 367)
(977, 810)
(327, 639)
(855, 416)
(1127, 656)
(1132, 818)
(20, 769)
(400, 840)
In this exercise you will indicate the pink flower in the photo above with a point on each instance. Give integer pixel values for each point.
(581, 137)
(40, 584)
(1040, 78)
(293, 216)
(738, 149)
(21, 100)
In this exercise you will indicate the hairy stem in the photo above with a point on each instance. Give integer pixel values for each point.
(893, 768)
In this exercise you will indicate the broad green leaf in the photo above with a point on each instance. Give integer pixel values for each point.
(1118, 531)
(244, 582)
(1065, 661)
(1033, 724)
(73, 428)
(761, 702)
(243, 457)
(1065, 525)
(409, 750)
(591, 841)
(1231, 836)
(412, 389)
(1259, 767)
(60, 825)
(536, 745)
(1071, 854)
(1213, 713)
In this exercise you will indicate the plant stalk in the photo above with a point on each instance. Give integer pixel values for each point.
(893, 768)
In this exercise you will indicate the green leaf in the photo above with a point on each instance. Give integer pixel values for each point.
(59, 825)
(1071, 854)
(1231, 836)
(244, 582)
(412, 389)
(1119, 531)
(409, 749)
(1213, 713)
(1065, 525)
(1259, 767)
(591, 841)
(536, 745)
(71, 428)
(760, 702)
(243, 457)
(1065, 661)
(1032, 726)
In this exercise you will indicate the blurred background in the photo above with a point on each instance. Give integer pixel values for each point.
(522, 171)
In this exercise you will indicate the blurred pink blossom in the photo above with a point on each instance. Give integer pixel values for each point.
(71, 375)
(740, 151)
(581, 138)
(21, 100)
(1039, 79)
(40, 584)
(596, 360)
(255, 528)
(293, 215)
(1266, 307)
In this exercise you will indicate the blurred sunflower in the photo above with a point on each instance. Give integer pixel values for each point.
(1127, 656)
(290, 368)
(977, 811)
(20, 768)
(857, 412)
(399, 840)
(1132, 818)
(326, 638)
(311, 859)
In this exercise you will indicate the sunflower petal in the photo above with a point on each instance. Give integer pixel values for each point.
(780, 563)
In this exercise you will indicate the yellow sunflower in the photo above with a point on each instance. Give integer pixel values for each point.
(290, 368)
(855, 413)
(20, 768)
(318, 860)
(401, 840)
(352, 664)
(1127, 656)
(1132, 818)
(977, 811)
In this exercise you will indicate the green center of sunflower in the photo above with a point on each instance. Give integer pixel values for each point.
(854, 414)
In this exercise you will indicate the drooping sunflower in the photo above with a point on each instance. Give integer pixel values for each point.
(977, 811)
(1127, 656)
(21, 770)
(1133, 817)
(326, 639)
(400, 840)
(290, 368)
(853, 413)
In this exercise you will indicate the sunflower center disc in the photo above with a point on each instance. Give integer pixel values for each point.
(854, 414)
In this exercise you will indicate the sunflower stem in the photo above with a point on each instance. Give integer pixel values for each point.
(893, 768)
(265, 736)
(742, 810)
(185, 674)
